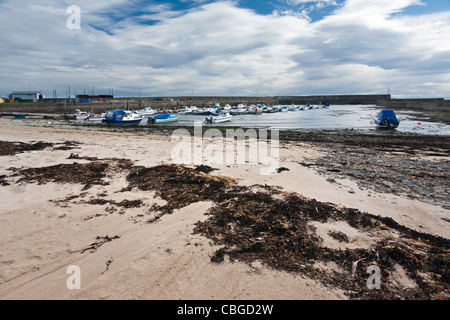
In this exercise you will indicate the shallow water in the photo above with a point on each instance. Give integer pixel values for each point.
(335, 117)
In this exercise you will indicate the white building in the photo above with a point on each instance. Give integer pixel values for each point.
(33, 96)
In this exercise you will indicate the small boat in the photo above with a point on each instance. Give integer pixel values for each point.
(326, 105)
(222, 117)
(163, 118)
(216, 112)
(255, 110)
(95, 117)
(386, 119)
(146, 111)
(203, 112)
(284, 109)
(186, 110)
(122, 117)
(81, 115)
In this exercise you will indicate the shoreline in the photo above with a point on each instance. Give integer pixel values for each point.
(46, 224)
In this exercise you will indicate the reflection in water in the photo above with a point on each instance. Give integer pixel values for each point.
(336, 117)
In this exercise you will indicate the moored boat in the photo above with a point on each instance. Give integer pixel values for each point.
(146, 111)
(163, 118)
(96, 117)
(122, 117)
(222, 117)
(81, 115)
(386, 119)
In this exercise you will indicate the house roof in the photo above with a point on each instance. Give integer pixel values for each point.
(26, 92)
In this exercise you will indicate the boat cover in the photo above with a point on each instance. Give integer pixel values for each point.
(115, 115)
(387, 115)
(164, 116)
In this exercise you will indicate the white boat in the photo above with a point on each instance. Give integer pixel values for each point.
(284, 109)
(146, 111)
(96, 117)
(255, 110)
(186, 110)
(222, 117)
(81, 115)
(240, 109)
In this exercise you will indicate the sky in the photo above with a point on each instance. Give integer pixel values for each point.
(154, 48)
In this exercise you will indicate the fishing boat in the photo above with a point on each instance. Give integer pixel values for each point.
(222, 117)
(81, 115)
(163, 118)
(146, 111)
(122, 117)
(386, 119)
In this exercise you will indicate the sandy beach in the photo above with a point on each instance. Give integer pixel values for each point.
(112, 232)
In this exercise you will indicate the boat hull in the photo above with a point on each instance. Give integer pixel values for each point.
(123, 123)
(163, 118)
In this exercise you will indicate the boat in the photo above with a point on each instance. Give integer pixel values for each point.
(95, 117)
(240, 109)
(222, 117)
(255, 110)
(203, 112)
(186, 110)
(386, 119)
(326, 105)
(146, 111)
(216, 112)
(122, 117)
(284, 109)
(163, 118)
(81, 115)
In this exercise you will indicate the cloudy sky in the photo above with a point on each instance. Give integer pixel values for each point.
(233, 47)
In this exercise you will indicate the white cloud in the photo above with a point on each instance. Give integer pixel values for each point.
(217, 48)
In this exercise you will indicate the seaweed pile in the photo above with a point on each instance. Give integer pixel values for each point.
(178, 185)
(278, 232)
(10, 148)
(261, 223)
(91, 173)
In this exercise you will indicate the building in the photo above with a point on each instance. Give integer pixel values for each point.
(26, 96)
(2, 100)
(85, 98)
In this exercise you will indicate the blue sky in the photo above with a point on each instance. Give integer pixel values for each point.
(227, 47)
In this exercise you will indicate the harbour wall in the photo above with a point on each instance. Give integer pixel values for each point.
(135, 103)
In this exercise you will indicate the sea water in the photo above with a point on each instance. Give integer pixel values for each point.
(335, 117)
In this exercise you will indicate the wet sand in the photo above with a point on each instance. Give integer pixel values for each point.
(126, 250)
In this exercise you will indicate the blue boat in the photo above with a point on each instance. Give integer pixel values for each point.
(163, 118)
(121, 117)
(386, 119)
